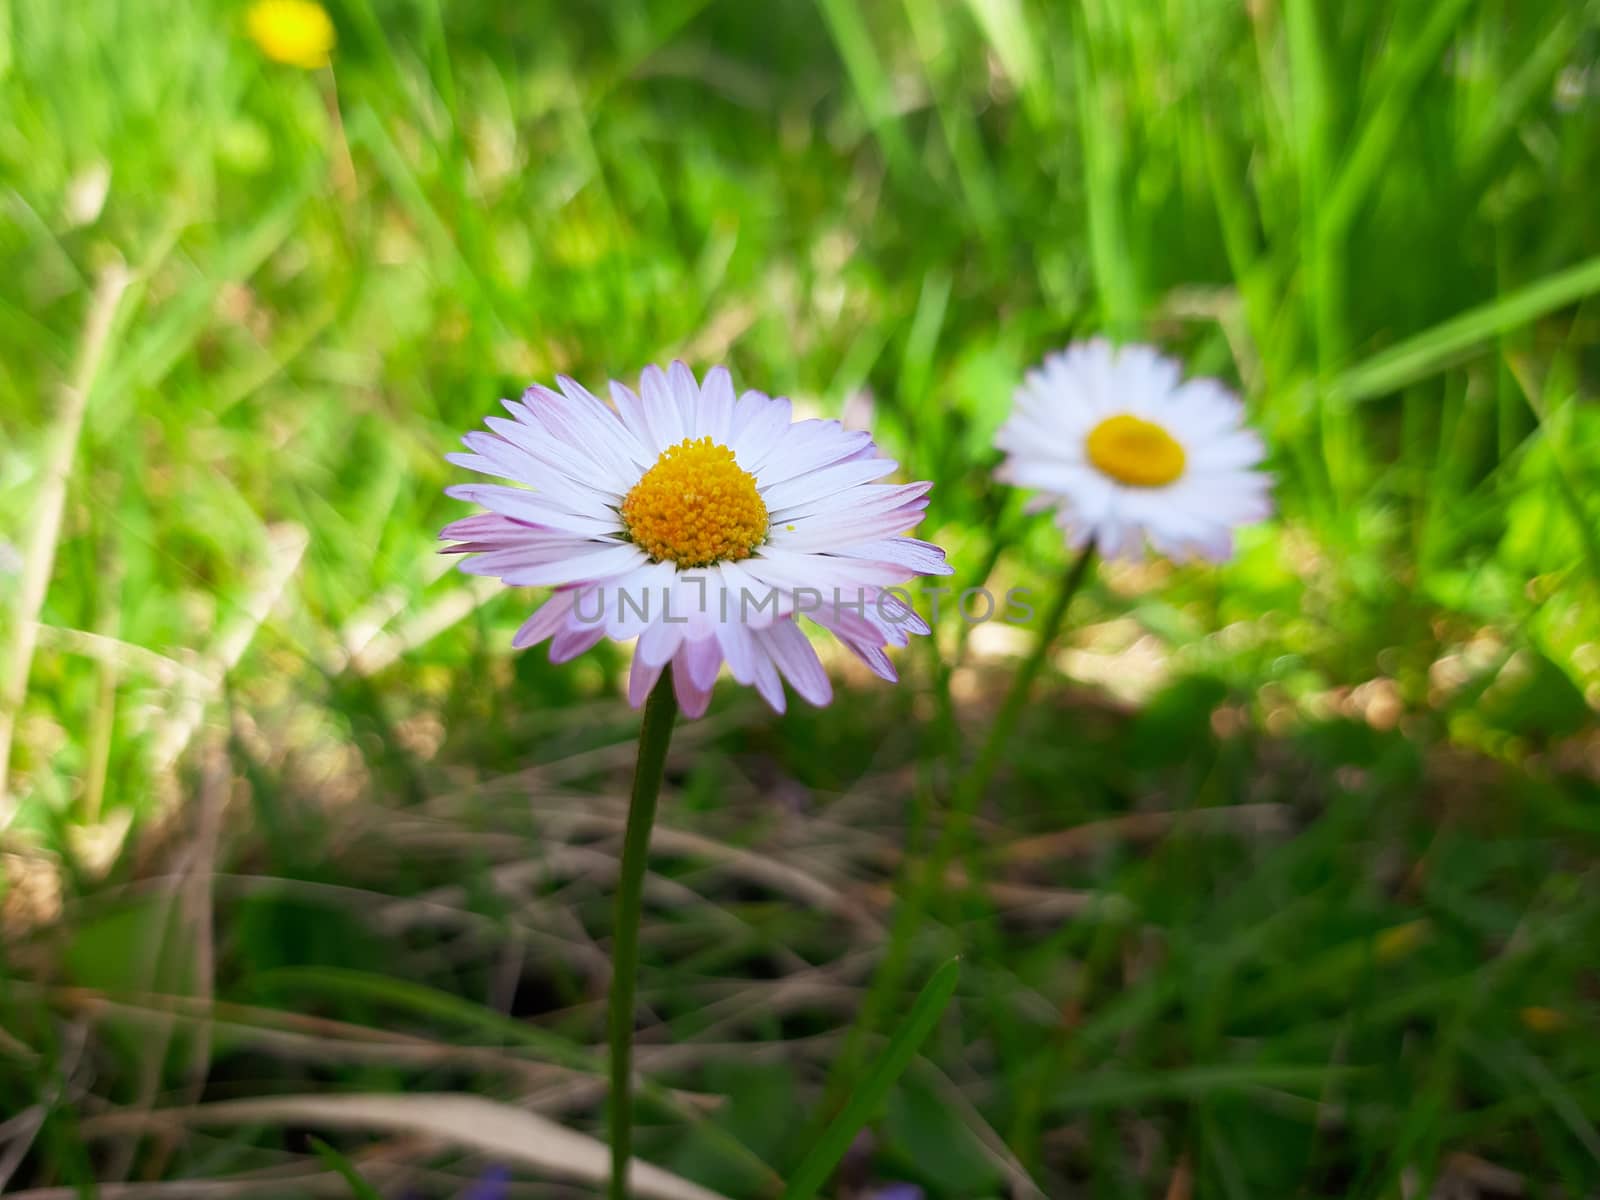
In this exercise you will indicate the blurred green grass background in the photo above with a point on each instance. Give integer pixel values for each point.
(1292, 892)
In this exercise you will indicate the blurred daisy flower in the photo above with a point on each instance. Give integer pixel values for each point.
(296, 32)
(1128, 452)
(702, 523)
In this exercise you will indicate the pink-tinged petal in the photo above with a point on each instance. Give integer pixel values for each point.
(607, 419)
(517, 554)
(692, 698)
(549, 424)
(511, 462)
(922, 557)
(515, 560)
(658, 643)
(497, 456)
(642, 678)
(579, 419)
(481, 528)
(797, 660)
(846, 621)
(530, 507)
(838, 534)
(573, 640)
(768, 683)
(561, 464)
(873, 656)
(834, 532)
(895, 619)
(703, 659)
(550, 616)
(602, 563)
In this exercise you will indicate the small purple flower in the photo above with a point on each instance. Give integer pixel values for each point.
(492, 1184)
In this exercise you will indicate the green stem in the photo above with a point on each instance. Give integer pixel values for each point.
(969, 791)
(660, 711)
(965, 798)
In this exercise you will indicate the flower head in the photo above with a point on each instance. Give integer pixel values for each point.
(1127, 453)
(296, 32)
(703, 524)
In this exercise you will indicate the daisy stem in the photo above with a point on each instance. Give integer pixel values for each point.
(922, 883)
(660, 712)
(970, 789)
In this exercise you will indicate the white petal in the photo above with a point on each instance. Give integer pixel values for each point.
(661, 411)
(739, 649)
(634, 600)
(797, 660)
(864, 500)
(716, 406)
(686, 393)
(759, 423)
(826, 482)
(658, 643)
(810, 446)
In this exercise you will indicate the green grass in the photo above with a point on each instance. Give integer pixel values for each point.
(253, 721)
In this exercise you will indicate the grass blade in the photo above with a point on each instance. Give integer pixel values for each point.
(869, 77)
(359, 1187)
(813, 1172)
(497, 1131)
(1418, 357)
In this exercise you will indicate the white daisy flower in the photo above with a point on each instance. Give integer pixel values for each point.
(700, 523)
(1128, 452)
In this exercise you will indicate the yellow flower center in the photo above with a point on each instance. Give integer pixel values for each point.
(696, 507)
(297, 32)
(1135, 452)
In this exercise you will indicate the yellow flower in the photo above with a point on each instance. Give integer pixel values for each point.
(1543, 1020)
(297, 32)
(1398, 942)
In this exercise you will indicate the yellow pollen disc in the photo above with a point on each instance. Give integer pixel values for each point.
(696, 507)
(1135, 452)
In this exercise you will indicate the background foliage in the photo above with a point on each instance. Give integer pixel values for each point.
(1292, 892)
